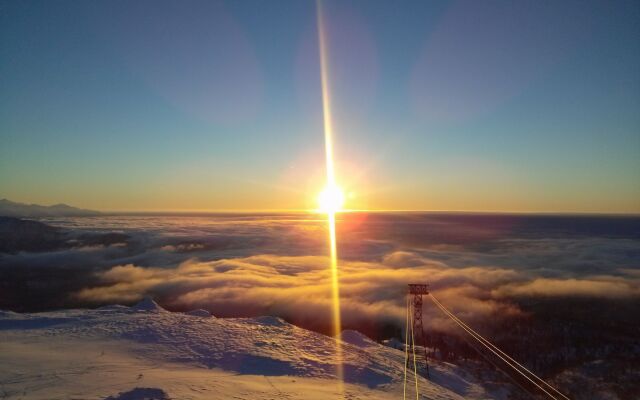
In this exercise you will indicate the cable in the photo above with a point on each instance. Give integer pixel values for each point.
(480, 339)
(487, 342)
(475, 336)
(496, 366)
(406, 351)
(504, 354)
(413, 348)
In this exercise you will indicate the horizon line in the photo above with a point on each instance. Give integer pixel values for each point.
(315, 211)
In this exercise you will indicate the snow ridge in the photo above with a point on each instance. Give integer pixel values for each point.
(262, 346)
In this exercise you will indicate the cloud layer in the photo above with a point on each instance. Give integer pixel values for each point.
(479, 266)
(298, 288)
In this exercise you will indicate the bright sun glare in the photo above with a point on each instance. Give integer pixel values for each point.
(331, 199)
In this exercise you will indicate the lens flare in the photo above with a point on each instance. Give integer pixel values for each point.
(331, 198)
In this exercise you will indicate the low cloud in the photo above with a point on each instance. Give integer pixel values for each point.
(596, 287)
(479, 266)
(298, 288)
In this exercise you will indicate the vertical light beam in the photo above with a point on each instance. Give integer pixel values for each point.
(331, 183)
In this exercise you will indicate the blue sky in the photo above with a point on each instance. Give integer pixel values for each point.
(492, 106)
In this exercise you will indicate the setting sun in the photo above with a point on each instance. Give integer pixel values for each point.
(331, 199)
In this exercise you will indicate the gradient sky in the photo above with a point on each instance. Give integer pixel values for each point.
(479, 106)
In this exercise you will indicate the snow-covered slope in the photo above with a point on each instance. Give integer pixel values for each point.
(145, 352)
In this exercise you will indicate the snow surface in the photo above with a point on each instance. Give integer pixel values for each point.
(145, 352)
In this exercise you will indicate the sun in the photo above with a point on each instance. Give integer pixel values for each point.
(331, 199)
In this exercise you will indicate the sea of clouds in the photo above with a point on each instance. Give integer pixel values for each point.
(480, 266)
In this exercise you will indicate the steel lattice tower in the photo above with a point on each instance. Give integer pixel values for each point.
(417, 290)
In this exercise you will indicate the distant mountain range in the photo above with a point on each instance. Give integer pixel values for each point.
(12, 209)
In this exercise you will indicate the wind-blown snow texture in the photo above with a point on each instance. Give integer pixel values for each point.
(144, 351)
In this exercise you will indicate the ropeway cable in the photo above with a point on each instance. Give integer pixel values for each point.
(482, 341)
(496, 366)
(415, 363)
(488, 344)
(409, 317)
(506, 355)
(477, 337)
(406, 351)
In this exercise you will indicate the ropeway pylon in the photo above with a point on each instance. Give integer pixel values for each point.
(414, 304)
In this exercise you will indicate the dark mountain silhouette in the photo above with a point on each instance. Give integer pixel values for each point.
(12, 209)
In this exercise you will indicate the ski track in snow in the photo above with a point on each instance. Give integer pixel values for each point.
(143, 352)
